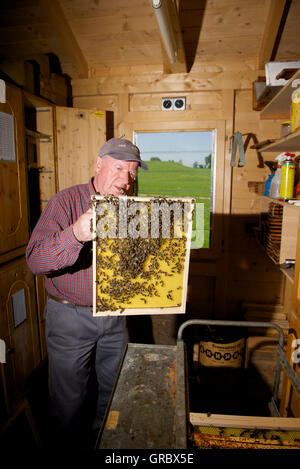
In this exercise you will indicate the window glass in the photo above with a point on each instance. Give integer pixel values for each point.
(180, 165)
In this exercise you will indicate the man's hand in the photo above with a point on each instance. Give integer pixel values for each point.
(82, 227)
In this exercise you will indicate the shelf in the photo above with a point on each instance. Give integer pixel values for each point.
(289, 143)
(35, 134)
(31, 100)
(278, 201)
(278, 230)
(264, 94)
(289, 273)
(279, 106)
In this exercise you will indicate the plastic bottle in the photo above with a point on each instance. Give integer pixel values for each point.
(287, 178)
(295, 110)
(268, 185)
(276, 181)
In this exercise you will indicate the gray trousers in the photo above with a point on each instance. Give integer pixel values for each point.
(73, 337)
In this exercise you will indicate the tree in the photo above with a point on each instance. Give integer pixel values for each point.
(208, 161)
(154, 158)
(195, 165)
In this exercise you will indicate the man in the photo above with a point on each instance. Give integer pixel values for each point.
(60, 249)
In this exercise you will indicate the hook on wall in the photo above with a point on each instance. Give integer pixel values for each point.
(236, 140)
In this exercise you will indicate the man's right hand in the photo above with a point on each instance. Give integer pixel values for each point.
(82, 227)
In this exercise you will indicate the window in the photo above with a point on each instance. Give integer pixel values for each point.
(180, 165)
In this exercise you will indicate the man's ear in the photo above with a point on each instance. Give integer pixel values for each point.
(98, 164)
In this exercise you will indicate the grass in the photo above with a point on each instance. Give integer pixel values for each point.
(176, 180)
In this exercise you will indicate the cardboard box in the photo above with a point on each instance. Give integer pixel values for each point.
(272, 69)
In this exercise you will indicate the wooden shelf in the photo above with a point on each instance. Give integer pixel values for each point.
(35, 134)
(289, 143)
(289, 273)
(279, 107)
(31, 100)
(278, 201)
(283, 249)
(264, 94)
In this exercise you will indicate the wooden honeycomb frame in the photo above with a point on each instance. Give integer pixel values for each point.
(167, 285)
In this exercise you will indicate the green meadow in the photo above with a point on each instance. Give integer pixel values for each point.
(176, 180)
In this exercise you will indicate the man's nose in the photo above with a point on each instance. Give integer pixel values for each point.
(125, 176)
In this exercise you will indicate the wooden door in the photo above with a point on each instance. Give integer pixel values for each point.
(70, 140)
(18, 329)
(13, 191)
(41, 299)
(79, 135)
(46, 154)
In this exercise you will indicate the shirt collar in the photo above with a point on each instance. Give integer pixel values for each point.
(92, 190)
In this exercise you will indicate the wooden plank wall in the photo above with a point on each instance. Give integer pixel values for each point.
(242, 273)
(252, 274)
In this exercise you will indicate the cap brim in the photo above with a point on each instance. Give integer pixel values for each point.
(143, 165)
(128, 158)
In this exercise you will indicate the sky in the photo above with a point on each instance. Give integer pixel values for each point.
(189, 147)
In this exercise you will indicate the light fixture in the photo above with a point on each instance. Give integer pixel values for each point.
(166, 29)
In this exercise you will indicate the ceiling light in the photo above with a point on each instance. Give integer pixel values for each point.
(166, 29)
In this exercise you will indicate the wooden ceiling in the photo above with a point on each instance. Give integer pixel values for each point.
(95, 37)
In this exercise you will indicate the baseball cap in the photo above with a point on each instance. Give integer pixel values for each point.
(122, 149)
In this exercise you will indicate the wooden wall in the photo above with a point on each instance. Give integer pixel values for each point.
(253, 276)
(237, 271)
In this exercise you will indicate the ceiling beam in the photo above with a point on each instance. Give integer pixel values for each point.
(274, 16)
(56, 17)
(179, 65)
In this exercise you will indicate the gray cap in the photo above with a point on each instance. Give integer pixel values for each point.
(122, 149)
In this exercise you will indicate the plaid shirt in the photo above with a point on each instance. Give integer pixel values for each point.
(54, 251)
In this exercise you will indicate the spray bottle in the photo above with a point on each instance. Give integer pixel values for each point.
(287, 177)
(272, 167)
(276, 181)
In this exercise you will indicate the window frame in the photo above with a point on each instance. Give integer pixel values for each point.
(218, 128)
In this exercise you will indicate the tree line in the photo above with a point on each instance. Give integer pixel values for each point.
(207, 162)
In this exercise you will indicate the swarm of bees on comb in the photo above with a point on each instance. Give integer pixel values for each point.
(138, 271)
